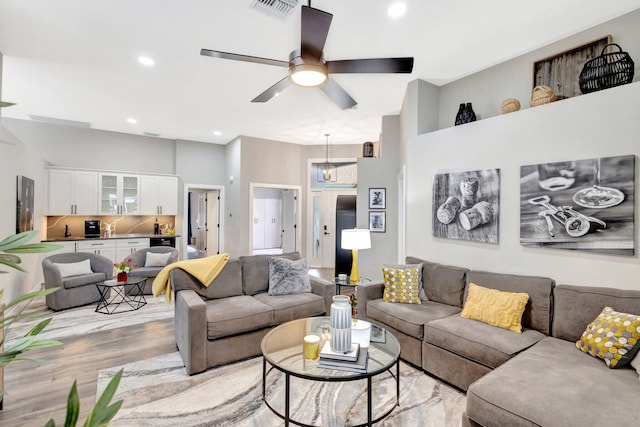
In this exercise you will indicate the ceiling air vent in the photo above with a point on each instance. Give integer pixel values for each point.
(279, 8)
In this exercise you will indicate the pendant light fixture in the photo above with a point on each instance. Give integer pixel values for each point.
(326, 168)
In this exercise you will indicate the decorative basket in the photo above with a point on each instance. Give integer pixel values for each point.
(541, 95)
(509, 105)
(606, 71)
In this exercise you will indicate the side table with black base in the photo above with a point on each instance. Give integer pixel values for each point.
(118, 297)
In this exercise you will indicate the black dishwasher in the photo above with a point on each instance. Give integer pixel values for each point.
(163, 241)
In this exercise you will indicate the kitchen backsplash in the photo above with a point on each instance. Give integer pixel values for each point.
(129, 224)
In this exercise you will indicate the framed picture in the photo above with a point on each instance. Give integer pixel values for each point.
(24, 204)
(377, 222)
(377, 334)
(377, 198)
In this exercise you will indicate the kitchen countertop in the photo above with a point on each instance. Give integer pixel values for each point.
(113, 237)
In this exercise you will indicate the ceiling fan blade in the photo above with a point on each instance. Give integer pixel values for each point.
(373, 65)
(272, 91)
(338, 95)
(245, 58)
(315, 27)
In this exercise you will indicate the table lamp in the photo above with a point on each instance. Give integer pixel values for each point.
(355, 239)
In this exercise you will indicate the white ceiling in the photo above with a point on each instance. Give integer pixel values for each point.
(77, 60)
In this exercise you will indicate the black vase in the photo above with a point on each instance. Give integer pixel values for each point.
(465, 114)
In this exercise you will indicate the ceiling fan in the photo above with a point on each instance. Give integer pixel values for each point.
(308, 65)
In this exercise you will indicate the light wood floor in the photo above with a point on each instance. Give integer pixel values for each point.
(36, 392)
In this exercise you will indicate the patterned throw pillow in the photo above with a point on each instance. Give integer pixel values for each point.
(494, 307)
(401, 284)
(288, 277)
(612, 336)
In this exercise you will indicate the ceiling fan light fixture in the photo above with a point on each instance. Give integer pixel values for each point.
(308, 75)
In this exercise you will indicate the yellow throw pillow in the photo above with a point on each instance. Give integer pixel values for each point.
(612, 336)
(401, 284)
(494, 307)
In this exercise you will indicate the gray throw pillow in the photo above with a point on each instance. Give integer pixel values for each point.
(288, 277)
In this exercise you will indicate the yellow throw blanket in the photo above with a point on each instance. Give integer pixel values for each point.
(203, 269)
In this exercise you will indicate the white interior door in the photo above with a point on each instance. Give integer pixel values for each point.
(323, 227)
(289, 215)
(201, 225)
(258, 223)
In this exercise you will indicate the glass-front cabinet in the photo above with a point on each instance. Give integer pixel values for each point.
(119, 194)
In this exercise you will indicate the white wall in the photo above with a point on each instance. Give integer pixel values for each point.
(600, 124)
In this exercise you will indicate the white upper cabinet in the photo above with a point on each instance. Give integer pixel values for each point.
(119, 194)
(158, 195)
(73, 192)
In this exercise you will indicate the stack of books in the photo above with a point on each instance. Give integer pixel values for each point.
(355, 360)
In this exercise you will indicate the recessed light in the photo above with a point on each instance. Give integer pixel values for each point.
(277, 94)
(146, 61)
(397, 9)
(217, 133)
(132, 121)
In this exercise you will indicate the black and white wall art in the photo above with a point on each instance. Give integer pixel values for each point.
(585, 205)
(466, 205)
(377, 222)
(377, 198)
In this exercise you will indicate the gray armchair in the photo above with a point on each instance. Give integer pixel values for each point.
(75, 290)
(150, 272)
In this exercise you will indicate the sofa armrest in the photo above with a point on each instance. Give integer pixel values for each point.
(191, 330)
(325, 289)
(366, 292)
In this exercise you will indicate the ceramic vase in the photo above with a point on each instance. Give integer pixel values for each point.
(465, 114)
(122, 277)
(341, 324)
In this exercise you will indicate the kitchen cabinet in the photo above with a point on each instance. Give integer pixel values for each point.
(72, 192)
(104, 247)
(119, 194)
(125, 247)
(158, 195)
(267, 223)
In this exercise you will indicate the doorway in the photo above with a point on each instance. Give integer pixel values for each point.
(203, 228)
(275, 217)
(323, 227)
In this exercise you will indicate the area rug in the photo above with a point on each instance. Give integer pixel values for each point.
(84, 320)
(158, 392)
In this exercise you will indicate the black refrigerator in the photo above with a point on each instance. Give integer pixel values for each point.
(345, 219)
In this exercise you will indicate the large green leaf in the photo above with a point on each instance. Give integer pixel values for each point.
(31, 295)
(101, 414)
(34, 248)
(16, 240)
(13, 265)
(73, 406)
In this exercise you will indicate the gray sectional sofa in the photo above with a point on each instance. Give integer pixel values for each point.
(227, 320)
(538, 377)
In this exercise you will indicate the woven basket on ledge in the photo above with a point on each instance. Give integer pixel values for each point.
(541, 95)
(606, 71)
(509, 105)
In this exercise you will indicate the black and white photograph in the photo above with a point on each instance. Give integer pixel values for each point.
(378, 222)
(24, 204)
(466, 205)
(377, 198)
(583, 205)
(377, 334)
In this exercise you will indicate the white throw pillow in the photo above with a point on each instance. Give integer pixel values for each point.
(157, 260)
(635, 363)
(74, 268)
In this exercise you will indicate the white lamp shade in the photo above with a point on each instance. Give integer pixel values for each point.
(356, 239)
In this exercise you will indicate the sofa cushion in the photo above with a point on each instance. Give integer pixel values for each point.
(494, 307)
(291, 307)
(402, 283)
(408, 318)
(576, 306)
(255, 271)
(612, 336)
(537, 314)
(87, 279)
(554, 384)
(234, 315)
(287, 277)
(478, 341)
(145, 272)
(228, 283)
(441, 283)
(69, 269)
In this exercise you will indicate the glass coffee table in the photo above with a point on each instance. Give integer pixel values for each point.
(282, 349)
(118, 297)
